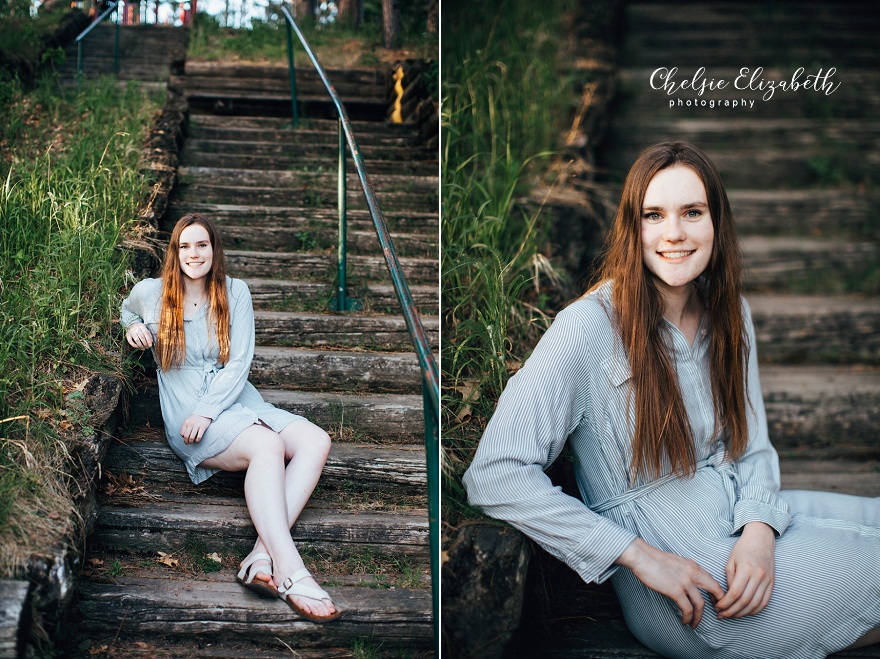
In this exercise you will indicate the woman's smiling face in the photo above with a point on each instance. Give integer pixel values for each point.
(677, 230)
(196, 252)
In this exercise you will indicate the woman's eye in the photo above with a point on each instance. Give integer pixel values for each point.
(693, 213)
(651, 217)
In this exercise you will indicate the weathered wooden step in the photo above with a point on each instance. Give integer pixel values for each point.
(233, 123)
(307, 266)
(768, 168)
(315, 197)
(336, 370)
(278, 294)
(317, 159)
(219, 610)
(823, 412)
(277, 89)
(160, 522)
(859, 477)
(322, 180)
(806, 212)
(808, 264)
(299, 329)
(388, 468)
(709, 133)
(381, 418)
(801, 328)
(265, 141)
(274, 239)
(302, 217)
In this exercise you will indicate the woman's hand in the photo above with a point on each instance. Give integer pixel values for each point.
(751, 572)
(194, 428)
(139, 336)
(680, 579)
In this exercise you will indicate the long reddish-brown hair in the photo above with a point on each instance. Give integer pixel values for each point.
(662, 429)
(170, 342)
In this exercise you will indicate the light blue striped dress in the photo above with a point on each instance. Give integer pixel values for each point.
(574, 388)
(202, 386)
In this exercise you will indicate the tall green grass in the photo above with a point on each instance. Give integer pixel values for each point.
(69, 189)
(504, 105)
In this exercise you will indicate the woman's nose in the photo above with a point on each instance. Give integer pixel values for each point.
(673, 230)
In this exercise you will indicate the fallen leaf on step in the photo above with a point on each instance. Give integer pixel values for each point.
(96, 561)
(165, 559)
(100, 649)
(214, 557)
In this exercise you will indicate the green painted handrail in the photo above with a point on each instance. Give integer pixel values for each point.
(427, 363)
(82, 35)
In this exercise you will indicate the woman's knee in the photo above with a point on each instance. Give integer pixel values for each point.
(305, 437)
(266, 444)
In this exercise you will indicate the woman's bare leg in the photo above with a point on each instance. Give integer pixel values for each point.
(261, 452)
(306, 447)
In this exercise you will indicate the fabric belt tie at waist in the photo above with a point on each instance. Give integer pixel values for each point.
(717, 462)
(208, 371)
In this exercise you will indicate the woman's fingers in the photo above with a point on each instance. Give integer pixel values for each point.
(139, 336)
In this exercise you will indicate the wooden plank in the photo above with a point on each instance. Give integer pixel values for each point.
(313, 329)
(390, 468)
(13, 597)
(830, 409)
(336, 370)
(814, 328)
(778, 261)
(303, 216)
(219, 610)
(860, 478)
(363, 243)
(309, 197)
(146, 525)
(306, 266)
(287, 179)
(388, 418)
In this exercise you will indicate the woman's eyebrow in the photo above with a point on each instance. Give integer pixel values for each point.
(693, 204)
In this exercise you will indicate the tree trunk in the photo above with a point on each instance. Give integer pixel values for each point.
(304, 10)
(391, 23)
(348, 13)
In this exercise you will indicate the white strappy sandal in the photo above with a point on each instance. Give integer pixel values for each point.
(246, 576)
(291, 587)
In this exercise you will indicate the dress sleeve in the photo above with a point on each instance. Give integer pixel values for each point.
(758, 469)
(227, 385)
(541, 405)
(132, 310)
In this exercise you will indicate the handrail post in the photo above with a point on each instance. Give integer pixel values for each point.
(432, 464)
(79, 59)
(342, 288)
(291, 73)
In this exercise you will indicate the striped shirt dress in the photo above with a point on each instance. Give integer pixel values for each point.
(201, 385)
(574, 388)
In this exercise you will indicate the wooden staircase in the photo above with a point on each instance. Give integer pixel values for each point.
(802, 173)
(153, 587)
(148, 54)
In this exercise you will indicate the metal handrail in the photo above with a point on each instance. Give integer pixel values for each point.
(82, 35)
(430, 374)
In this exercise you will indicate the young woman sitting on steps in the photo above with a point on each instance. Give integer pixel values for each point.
(200, 324)
(652, 379)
